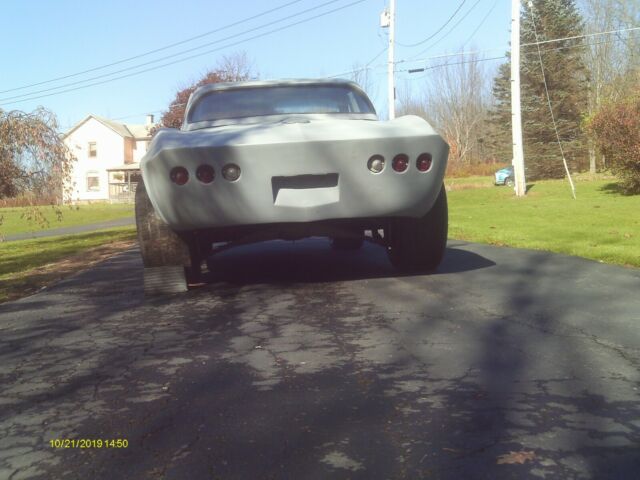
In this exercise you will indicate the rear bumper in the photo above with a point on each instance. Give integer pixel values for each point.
(294, 182)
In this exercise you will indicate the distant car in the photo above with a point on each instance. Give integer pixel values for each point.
(505, 176)
(288, 159)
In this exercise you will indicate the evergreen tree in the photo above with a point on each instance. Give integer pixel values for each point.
(567, 81)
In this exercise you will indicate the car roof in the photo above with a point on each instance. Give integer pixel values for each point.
(274, 83)
(214, 87)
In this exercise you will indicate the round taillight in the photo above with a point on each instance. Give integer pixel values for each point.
(376, 164)
(424, 162)
(179, 175)
(205, 173)
(231, 172)
(400, 162)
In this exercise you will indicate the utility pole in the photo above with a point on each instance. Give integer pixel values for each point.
(516, 116)
(391, 85)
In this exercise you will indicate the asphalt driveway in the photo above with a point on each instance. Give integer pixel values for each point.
(298, 361)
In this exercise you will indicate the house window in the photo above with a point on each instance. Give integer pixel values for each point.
(93, 150)
(93, 182)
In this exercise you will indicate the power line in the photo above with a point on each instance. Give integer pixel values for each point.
(366, 67)
(436, 32)
(416, 70)
(580, 45)
(166, 47)
(173, 55)
(484, 19)
(579, 36)
(187, 58)
(531, 44)
(424, 69)
(450, 30)
(457, 54)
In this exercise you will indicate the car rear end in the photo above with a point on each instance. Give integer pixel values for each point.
(294, 171)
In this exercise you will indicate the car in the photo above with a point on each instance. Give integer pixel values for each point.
(505, 176)
(288, 159)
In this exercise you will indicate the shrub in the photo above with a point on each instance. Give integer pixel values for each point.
(459, 169)
(616, 131)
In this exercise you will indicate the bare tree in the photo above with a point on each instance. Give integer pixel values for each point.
(33, 158)
(231, 68)
(612, 61)
(34, 161)
(454, 98)
(236, 66)
(363, 76)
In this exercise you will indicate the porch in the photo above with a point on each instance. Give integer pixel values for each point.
(123, 181)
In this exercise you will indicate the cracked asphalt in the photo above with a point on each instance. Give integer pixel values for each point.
(299, 362)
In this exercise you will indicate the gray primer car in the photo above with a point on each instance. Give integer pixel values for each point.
(289, 159)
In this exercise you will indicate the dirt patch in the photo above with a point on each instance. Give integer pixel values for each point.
(33, 280)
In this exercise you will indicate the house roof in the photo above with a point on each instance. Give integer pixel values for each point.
(122, 129)
(139, 131)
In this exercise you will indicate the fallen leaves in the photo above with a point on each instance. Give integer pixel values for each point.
(520, 457)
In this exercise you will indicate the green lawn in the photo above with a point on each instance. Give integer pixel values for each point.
(12, 221)
(23, 263)
(601, 224)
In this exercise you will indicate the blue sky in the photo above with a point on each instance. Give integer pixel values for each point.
(44, 40)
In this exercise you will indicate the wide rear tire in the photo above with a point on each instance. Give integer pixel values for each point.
(418, 244)
(164, 253)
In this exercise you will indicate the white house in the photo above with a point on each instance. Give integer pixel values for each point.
(107, 153)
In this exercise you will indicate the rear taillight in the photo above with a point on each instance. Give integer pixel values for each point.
(231, 172)
(179, 175)
(376, 164)
(400, 162)
(424, 162)
(205, 173)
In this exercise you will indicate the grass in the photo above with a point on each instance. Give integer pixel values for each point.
(28, 265)
(13, 222)
(601, 224)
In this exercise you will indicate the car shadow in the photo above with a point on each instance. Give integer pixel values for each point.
(314, 260)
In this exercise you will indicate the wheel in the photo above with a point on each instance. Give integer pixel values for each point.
(418, 244)
(164, 253)
(347, 243)
(509, 182)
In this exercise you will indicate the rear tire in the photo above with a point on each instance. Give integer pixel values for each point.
(509, 182)
(418, 244)
(164, 253)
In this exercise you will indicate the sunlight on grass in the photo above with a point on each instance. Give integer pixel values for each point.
(28, 265)
(13, 223)
(22, 255)
(601, 224)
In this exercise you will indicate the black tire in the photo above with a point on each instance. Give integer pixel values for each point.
(418, 244)
(347, 243)
(509, 182)
(164, 253)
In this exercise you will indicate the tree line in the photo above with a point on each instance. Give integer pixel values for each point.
(591, 81)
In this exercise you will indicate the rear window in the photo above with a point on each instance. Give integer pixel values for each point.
(281, 100)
